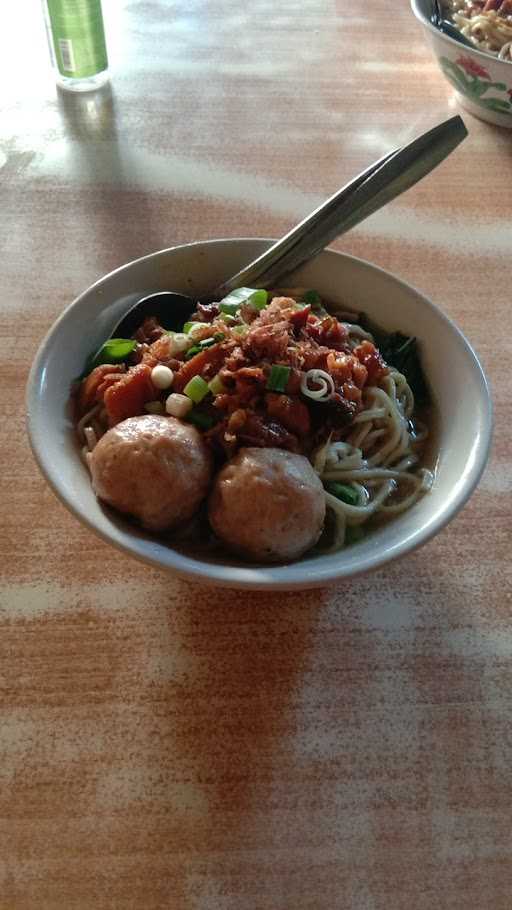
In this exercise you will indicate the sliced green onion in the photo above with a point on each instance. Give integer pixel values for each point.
(217, 386)
(353, 534)
(312, 297)
(342, 491)
(188, 326)
(257, 297)
(196, 389)
(115, 350)
(278, 378)
(195, 349)
(240, 330)
(230, 309)
(180, 343)
(207, 342)
(200, 420)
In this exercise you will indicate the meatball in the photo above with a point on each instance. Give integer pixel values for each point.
(267, 505)
(154, 468)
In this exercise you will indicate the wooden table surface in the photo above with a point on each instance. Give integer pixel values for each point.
(168, 746)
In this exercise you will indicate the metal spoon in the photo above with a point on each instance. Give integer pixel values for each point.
(368, 192)
(173, 309)
(446, 27)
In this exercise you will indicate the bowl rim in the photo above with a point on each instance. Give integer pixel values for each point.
(263, 577)
(460, 47)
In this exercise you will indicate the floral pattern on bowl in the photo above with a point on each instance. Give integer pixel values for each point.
(474, 81)
(482, 82)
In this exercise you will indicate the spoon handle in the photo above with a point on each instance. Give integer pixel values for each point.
(383, 181)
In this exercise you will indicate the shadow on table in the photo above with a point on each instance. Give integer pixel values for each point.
(239, 710)
(100, 158)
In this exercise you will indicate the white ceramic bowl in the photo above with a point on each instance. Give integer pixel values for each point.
(482, 83)
(454, 373)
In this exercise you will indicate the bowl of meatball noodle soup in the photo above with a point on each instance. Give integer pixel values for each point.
(457, 416)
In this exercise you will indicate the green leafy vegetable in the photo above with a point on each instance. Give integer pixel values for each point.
(201, 420)
(278, 378)
(343, 492)
(400, 351)
(315, 302)
(188, 326)
(353, 534)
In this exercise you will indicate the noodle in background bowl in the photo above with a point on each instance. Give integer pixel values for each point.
(482, 83)
(455, 377)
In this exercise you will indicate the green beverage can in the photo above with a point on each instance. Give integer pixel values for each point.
(77, 43)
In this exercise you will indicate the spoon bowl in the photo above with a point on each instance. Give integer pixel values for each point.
(170, 309)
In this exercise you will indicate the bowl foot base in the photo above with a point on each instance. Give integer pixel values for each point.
(484, 113)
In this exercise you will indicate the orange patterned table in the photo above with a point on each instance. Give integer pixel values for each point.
(167, 746)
